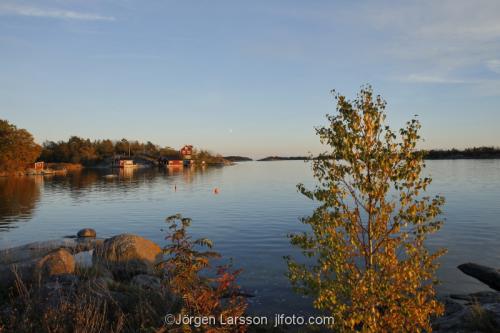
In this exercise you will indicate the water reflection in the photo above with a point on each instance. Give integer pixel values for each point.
(19, 195)
(257, 207)
(18, 199)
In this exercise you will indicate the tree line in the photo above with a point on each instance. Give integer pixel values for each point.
(88, 152)
(18, 150)
(475, 152)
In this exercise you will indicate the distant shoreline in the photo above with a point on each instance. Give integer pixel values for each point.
(429, 158)
(478, 153)
(283, 158)
(237, 158)
(462, 158)
(469, 153)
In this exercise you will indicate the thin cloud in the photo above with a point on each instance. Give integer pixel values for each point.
(11, 9)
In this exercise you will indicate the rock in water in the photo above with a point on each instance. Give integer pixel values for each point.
(55, 263)
(87, 232)
(37, 250)
(127, 255)
(485, 274)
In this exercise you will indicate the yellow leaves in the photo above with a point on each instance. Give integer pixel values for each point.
(372, 270)
(412, 210)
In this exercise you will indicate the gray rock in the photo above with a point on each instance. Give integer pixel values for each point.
(83, 259)
(451, 306)
(482, 297)
(87, 232)
(39, 249)
(487, 275)
(472, 317)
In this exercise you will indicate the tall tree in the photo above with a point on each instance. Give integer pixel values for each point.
(17, 148)
(368, 265)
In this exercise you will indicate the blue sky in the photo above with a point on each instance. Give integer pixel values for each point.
(247, 77)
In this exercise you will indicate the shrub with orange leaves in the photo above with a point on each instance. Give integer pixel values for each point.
(187, 271)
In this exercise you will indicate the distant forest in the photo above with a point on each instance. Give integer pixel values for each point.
(476, 152)
(434, 154)
(87, 152)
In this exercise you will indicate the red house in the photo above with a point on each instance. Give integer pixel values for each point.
(186, 152)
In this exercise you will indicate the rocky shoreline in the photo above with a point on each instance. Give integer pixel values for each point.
(124, 266)
(474, 312)
(83, 277)
(123, 256)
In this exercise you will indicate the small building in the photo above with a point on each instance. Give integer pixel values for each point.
(38, 166)
(183, 158)
(175, 163)
(187, 152)
(179, 163)
(122, 163)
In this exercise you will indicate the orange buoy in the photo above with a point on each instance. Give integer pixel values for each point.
(216, 190)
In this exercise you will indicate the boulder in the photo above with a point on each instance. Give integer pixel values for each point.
(475, 312)
(58, 262)
(36, 250)
(83, 259)
(453, 318)
(485, 274)
(87, 232)
(127, 255)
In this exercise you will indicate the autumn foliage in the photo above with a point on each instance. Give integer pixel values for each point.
(368, 265)
(17, 148)
(188, 276)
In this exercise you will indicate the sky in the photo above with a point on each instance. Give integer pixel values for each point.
(248, 78)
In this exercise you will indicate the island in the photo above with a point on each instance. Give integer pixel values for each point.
(469, 153)
(237, 158)
(282, 158)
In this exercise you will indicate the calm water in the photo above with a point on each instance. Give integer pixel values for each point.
(257, 206)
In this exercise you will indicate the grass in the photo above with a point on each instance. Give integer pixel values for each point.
(82, 306)
(481, 319)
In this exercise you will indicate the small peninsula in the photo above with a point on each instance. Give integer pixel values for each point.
(237, 158)
(283, 158)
